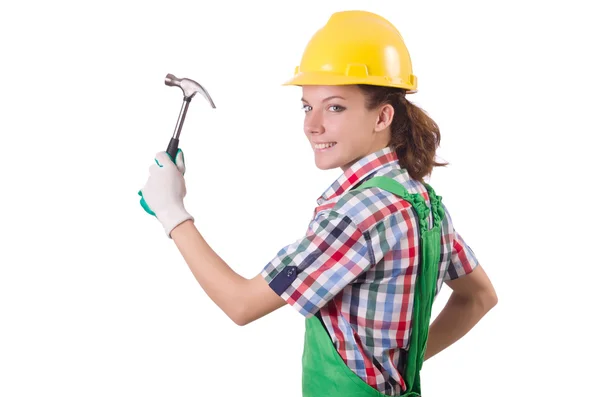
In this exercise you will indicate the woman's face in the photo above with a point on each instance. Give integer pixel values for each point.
(339, 127)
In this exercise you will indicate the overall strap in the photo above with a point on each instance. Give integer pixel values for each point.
(415, 199)
(427, 275)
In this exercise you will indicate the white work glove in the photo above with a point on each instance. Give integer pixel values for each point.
(163, 194)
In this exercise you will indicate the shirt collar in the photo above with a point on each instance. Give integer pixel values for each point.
(361, 169)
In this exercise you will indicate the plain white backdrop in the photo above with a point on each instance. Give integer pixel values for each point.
(96, 301)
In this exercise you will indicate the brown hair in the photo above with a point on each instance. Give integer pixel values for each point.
(415, 136)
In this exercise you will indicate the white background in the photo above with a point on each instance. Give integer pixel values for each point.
(96, 301)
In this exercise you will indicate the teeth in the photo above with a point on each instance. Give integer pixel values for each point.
(324, 145)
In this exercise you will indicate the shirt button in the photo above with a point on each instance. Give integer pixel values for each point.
(291, 272)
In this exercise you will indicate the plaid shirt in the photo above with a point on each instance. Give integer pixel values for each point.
(356, 267)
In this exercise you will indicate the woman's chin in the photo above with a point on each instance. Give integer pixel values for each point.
(324, 165)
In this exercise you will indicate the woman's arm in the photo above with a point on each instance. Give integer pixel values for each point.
(472, 297)
(243, 300)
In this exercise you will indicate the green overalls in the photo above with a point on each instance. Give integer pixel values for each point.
(324, 373)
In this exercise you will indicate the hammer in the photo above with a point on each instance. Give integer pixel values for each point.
(189, 88)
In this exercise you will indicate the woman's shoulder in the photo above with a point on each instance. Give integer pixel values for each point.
(370, 206)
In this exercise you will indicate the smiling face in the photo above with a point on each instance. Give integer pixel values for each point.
(340, 128)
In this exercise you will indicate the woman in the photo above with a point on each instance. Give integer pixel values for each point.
(381, 243)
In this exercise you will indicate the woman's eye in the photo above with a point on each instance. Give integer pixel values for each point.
(334, 108)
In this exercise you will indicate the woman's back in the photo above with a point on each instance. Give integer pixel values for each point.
(356, 268)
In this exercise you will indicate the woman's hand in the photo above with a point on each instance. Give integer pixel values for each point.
(163, 194)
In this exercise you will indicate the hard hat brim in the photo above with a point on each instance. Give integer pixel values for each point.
(325, 78)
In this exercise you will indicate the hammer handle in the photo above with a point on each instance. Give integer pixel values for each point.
(172, 148)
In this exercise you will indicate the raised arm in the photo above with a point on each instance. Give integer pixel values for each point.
(242, 300)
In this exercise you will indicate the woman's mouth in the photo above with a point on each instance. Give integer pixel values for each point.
(321, 147)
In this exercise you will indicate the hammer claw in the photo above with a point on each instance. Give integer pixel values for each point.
(190, 88)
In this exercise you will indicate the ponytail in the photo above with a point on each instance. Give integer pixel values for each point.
(415, 136)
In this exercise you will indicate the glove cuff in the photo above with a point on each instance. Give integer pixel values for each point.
(172, 218)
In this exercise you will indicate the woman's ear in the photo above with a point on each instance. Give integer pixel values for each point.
(384, 117)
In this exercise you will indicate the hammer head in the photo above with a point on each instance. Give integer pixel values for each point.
(189, 88)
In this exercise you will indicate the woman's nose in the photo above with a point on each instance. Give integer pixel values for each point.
(313, 125)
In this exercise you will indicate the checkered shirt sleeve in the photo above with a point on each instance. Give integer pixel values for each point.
(462, 258)
(312, 270)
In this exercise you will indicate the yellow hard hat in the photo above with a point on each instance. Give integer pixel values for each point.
(356, 47)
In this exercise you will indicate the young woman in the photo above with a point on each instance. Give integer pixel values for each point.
(380, 244)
